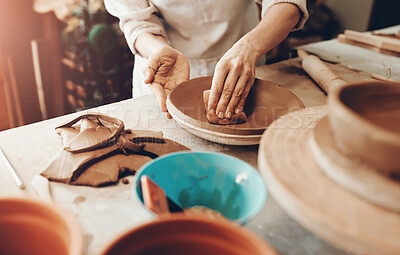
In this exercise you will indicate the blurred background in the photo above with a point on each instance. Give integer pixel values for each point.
(63, 56)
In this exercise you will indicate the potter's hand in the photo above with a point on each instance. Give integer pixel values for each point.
(233, 78)
(166, 68)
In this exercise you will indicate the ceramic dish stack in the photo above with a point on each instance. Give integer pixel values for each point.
(265, 103)
(336, 169)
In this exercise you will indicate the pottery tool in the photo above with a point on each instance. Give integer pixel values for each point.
(11, 170)
(320, 72)
(317, 202)
(155, 199)
(266, 102)
(382, 78)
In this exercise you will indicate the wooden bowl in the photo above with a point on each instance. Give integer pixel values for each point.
(365, 122)
(32, 227)
(180, 235)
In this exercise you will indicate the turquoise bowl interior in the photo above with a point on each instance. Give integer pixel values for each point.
(214, 180)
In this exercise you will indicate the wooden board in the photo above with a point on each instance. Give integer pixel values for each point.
(381, 42)
(352, 174)
(342, 39)
(313, 199)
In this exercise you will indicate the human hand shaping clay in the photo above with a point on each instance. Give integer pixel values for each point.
(233, 79)
(166, 69)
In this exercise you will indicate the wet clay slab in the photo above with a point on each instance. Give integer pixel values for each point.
(97, 151)
(265, 103)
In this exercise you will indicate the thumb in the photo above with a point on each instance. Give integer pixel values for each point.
(148, 74)
(151, 69)
(159, 93)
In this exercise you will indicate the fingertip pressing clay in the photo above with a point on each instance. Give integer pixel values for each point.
(237, 118)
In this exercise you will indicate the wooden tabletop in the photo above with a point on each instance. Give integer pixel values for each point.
(108, 211)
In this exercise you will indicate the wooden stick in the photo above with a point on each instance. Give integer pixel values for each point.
(342, 39)
(154, 196)
(381, 78)
(382, 42)
(320, 72)
(11, 170)
(38, 79)
(20, 116)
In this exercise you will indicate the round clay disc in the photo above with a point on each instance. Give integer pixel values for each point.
(315, 200)
(352, 174)
(265, 103)
(218, 137)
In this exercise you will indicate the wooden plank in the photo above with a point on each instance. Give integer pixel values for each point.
(342, 39)
(382, 42)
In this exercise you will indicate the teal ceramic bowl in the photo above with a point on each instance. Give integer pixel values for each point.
(214, 180)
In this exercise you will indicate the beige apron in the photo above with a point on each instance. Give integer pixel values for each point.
(203, 30)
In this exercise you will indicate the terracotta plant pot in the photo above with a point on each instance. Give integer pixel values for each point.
(37, 228)
(365, 122)
(180, 235)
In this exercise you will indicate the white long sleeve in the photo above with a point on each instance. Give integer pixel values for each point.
(301, 4)
(136, 17)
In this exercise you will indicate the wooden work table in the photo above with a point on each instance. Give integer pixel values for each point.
(108, 211)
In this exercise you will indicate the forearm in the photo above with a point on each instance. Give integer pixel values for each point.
(146, 44)
(137, 17)
(273, 28)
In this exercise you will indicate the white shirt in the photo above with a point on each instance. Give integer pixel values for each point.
(203, 30)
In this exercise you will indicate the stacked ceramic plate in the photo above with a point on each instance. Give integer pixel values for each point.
(336, 169)
(265, 103)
